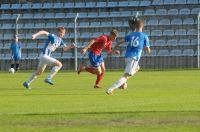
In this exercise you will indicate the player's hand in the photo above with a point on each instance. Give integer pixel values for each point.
(83, 51)
(33, 36)
(117, 52)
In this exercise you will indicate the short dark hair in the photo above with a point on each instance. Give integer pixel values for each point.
(60, 29)
(114, 32)
(135, 23)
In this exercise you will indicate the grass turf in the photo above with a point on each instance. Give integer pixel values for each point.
(154, 101)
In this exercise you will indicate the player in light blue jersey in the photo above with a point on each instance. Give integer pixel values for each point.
(53, 42)
(15, 53)
(136, 41)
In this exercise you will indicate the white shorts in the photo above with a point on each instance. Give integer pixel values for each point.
(131, 66)
(45, 60)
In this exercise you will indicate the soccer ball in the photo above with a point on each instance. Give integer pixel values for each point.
(123, 86)
(12, 70)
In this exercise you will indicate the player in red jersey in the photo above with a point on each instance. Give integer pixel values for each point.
(94, 49)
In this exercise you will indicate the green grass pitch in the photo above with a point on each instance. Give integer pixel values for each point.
(163, 101)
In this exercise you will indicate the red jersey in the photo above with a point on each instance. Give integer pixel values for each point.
(100, 43)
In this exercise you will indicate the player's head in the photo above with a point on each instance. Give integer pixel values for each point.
(61, 31)
(113, 34)
(136, 24)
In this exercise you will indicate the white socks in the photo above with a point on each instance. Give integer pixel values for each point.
(32, 78)
(121, 81)
(53, 72)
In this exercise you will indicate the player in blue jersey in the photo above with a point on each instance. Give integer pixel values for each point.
(53, 42)
(136, 40)
(15, 53)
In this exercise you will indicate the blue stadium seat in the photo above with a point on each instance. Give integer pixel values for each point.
(195, 10)
(161, 12)
(169, 2)
(104, 14)
(27, 16)
(112, 4)
(133, 3)
(58, 5)
(176, 52)
(37, 6)
(51, 25)
(153, 53)
(156, 33)
(157, 2)
(64, 24)
(90, 4)
(194, 42)
(96, 34)
(188, 52)
(31, 45)
(5, 6)
(153, 22)
(163, 53)
(126, 13)
(123, 3)
(7, 26)
(38, 16)
(71, 25)
(114, 14)
(56, 55)
(188, 21)
(92, 14)
(86, 35)
(192, 1)
(159, 43)
(79, 4)
(184, 11)
(49, 15)
(168, 32)
(6, 16)
(101, 4)
(164, 22)
(145, 3)
(122, 34)
(176, 21)
(180, 32)
(172, 42)
(184, 42)
(147, 32)
(39, 25)
(117, 24)
(15, 6)
(173, 12)
(26, 6)
(149, 12)
(29, 25)
(180, 1)
(106, 24)
(47, 5)
(95, 24)
(33, 56)
(192, 32)
(67, 55)
(69, 5)
(60, 15)
(84, 24)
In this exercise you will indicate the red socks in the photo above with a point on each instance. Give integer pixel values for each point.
(99, 78)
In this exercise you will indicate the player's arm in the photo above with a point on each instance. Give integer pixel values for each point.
(114, 50)
(66, 48)
(84, 50)
(148, 49)
(147, 45)
(42, 32)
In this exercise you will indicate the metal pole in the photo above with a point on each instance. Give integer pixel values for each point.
(198, 39)
(75, 41)
(16, 24)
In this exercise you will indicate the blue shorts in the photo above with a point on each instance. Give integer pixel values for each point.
(95, 60)
(16, 57)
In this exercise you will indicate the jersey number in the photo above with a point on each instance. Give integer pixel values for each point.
(134, 42)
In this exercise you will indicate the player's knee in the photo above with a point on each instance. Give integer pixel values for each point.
(59, 64)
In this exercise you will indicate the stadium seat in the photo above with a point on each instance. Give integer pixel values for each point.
(161, 12)
(33, 56)
(149, 12)
(168, 32)
(49, 15)
(114, 14)
(188, 21)
(69, 5)
(172, 42)
(58, 5)
(104, 14)
(71, 15)
(51, 25)
(176, 52)
(70, 25)
(37, 6)
(39, 25)
(60, 15)
(157, 2)
(180, 32)
(47, 5)
(5, 6)
(173, 12)
(31, 45)
(188, 52)
(15, 6)
(126, 13)
(112, 4)
(106, 24)
(67, 55)
(194, 42)
(80, 5)
(101, 4)
(147, 32)
(84, 24)
(123, 3)
(26, 6)
(96, 34)
(117, 24)
(192, 32)
(145, 3)
(176, 21)
(152, 22)
(156, 33)
(184, 42)
(192, 1)
(195, 10)
(95, 24)
(92, 14)
(85, 35)
(163, 53)
(184, 11)
(180, 1)
(90, 4)
(27, 16)
(29, 25)
(159, 43)
(122, 34)
(6, 16)
(164, 22)
(82, 14)
(7, 26)
(133, 3)
(169, 2)
(39, 16)
(56, 55)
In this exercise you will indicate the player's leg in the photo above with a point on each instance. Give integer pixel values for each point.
(100, 74)
(57, 65)
(12, 65)
(130, 70)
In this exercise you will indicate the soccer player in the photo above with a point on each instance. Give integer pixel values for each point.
(15, 53)
(94, 49)
(136, 40)
(45, 59)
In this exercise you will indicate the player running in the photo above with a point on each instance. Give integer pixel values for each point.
(94, 49)
(15, 53)
(53, 42)
(136, 40)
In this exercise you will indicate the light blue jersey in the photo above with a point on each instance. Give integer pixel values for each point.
(16, 49)
(136, 42)
(52, 43)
